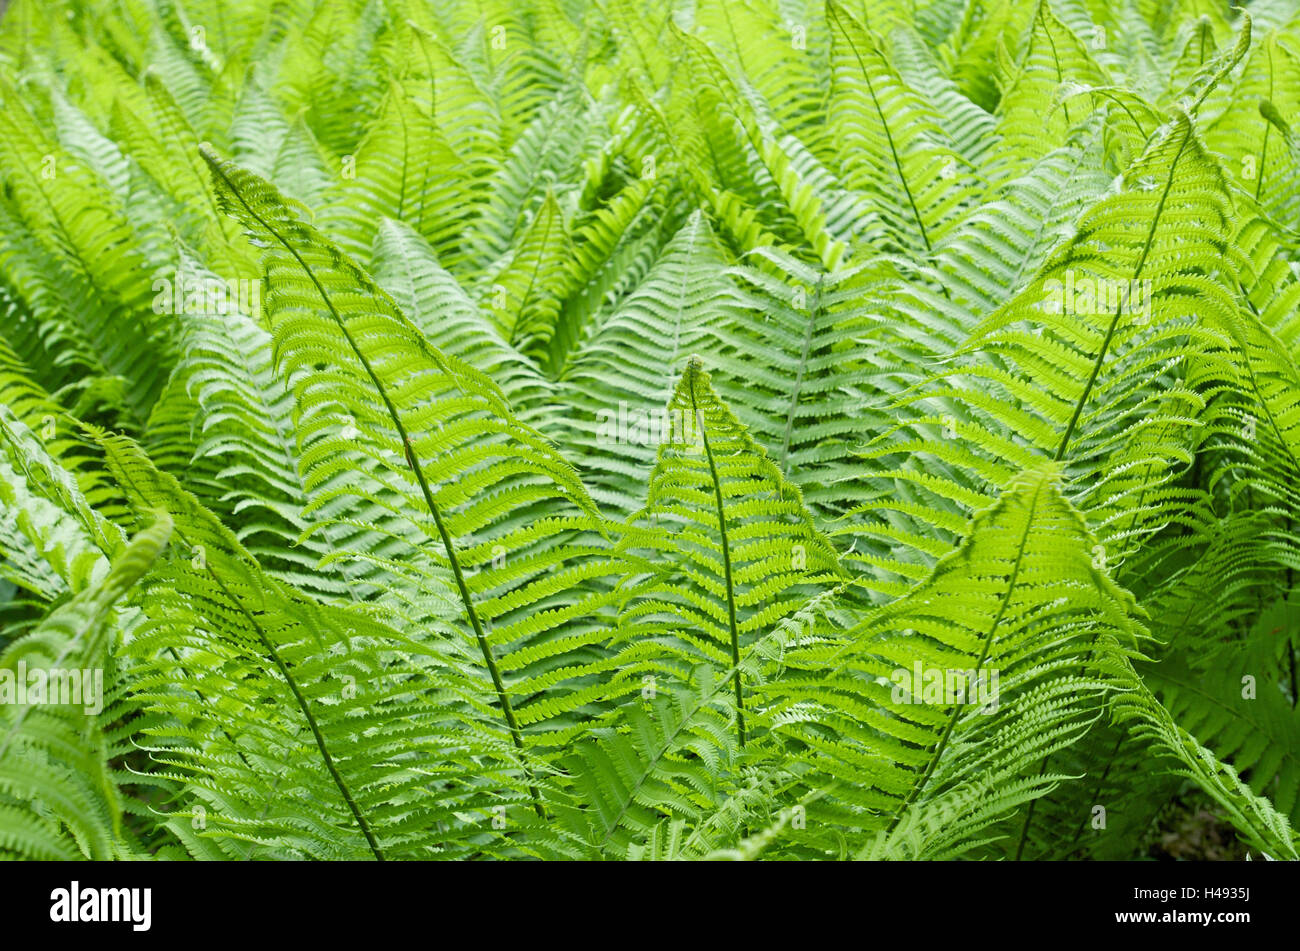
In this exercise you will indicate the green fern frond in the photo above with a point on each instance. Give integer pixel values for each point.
(734, 550)
(458, 483)
(993, 662)
(58, 799)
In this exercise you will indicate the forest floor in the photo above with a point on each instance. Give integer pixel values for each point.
(1189, 829)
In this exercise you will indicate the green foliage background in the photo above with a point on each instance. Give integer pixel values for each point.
(470, 428)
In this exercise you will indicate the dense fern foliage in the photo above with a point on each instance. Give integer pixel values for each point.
(647, 429)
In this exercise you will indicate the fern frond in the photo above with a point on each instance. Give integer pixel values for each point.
(452, 476)
(57, 797)
(992, 662)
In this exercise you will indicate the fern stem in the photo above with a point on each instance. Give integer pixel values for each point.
(726, 560)
(1029, 815)
(1042, 768)
(833, 9)
(484, 647)
(1119, 309)
(311, 720)
(1096, 793)
(1268, 126)
(657, 755)
(814, 312)
(1259, 393)
(298, 696)
(957, 709)
(1056, 61)
(489, 659)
